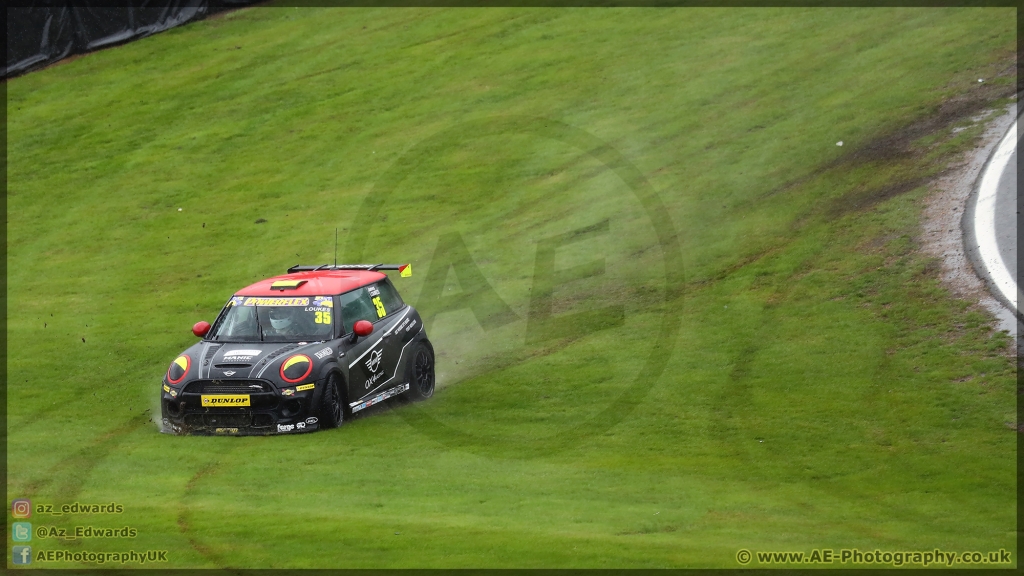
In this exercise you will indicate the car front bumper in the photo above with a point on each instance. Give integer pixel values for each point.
(239, 408)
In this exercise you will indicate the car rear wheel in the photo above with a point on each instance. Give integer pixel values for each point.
(332, 407)
(420, 373)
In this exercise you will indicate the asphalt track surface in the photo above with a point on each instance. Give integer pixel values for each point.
(994, 221)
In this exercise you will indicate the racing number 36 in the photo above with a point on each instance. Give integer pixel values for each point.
(322, 317)
(380, 307)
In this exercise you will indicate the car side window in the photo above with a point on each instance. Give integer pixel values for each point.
(372, 303)
(389, 296)
(355, 306)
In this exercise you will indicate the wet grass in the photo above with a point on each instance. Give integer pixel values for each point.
(813, 386)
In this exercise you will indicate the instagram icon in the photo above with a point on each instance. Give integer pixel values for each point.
(21, 508)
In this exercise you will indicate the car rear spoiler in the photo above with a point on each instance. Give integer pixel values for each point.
(404, 269)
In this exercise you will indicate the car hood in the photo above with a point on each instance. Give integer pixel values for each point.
(250, 360)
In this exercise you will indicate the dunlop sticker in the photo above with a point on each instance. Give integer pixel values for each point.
(226, 400)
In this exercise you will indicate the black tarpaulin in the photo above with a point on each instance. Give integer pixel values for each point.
(48, 32)
(37, 36)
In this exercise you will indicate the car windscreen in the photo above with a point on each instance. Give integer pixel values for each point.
(275, 319)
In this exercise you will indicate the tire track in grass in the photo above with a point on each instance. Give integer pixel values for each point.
(75, 469)
(727, 407)
(78, 466)
(730, 424)
(183, 516)
(889, 147)
(900, 149)
(737, 421)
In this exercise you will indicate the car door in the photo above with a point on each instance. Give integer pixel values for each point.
(396, 314)
(374, 361)
(364, 356)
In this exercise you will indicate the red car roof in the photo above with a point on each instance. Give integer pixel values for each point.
(319, 283)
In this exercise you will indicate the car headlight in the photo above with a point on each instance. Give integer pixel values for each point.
(296, 368)
(179, 368)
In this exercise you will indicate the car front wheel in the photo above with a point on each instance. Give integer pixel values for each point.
(332, 407)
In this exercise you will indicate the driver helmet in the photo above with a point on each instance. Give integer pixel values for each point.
(280, 318)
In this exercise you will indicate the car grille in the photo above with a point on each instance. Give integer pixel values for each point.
(228, 387)
(262, 396)
(224, 420)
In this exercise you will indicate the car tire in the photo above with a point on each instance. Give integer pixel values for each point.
(332, 404)
(420, 373)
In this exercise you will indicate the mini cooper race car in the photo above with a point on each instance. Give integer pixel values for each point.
(299, 352)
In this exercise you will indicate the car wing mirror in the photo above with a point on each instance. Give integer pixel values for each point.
(201, 328)
(361, 328)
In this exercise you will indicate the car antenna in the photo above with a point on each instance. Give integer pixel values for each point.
(335, 246)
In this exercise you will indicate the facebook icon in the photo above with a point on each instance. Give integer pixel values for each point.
(21, 555)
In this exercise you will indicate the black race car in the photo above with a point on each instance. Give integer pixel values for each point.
(300, 352)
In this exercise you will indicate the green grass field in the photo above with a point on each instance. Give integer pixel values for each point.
(744, 348)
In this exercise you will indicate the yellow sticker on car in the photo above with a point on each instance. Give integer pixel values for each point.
(287, 284)
(264, 301)
(225, 400)
(305, 387)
